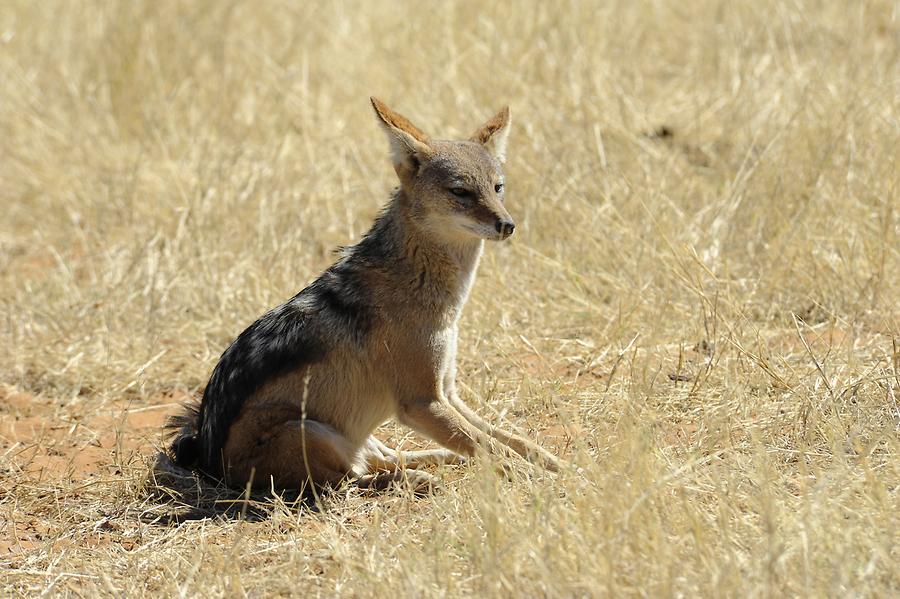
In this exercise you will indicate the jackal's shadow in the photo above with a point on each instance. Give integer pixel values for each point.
(179, 495)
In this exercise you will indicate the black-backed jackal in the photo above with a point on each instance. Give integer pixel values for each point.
(297, 395)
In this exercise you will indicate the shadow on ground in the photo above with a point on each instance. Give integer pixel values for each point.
(185, 495)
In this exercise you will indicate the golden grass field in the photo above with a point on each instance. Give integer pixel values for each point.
(700, 308)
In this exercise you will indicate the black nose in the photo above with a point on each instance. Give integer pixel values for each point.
(504, 227)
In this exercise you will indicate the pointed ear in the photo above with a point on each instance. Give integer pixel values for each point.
(409, 146)
(494, 133)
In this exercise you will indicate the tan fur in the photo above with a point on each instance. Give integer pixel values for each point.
(405, 367)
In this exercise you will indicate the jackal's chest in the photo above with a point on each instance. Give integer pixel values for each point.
(443, 341)
(429, 347)
(443, 350)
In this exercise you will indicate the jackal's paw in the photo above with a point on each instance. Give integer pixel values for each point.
(417, 481)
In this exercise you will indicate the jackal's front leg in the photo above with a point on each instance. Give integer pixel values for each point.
(529, 450)
(435, 418)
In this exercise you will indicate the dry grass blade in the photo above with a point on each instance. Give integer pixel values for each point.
(690, 181)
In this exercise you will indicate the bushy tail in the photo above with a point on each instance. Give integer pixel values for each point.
(184, 429)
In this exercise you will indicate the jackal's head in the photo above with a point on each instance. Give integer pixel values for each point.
(455, 187)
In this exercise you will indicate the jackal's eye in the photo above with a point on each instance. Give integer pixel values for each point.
(498, 187)
(461, 192)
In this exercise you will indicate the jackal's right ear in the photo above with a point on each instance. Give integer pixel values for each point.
(409, 146)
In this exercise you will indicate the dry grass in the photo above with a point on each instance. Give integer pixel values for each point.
(700, 307)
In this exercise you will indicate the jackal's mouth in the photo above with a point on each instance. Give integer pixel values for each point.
(486, 232)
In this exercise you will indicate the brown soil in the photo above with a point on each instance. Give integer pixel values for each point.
(43, 446)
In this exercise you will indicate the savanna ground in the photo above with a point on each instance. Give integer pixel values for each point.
(700, 308)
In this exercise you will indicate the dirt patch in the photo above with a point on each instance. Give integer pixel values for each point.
(576, 372)
(43, 445)
(40, 441)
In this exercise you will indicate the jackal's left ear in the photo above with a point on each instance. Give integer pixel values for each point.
(409, 146)
(494, 133)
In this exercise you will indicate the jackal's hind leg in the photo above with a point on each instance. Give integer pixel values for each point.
(287, 455)
(417, 480)
(379, 456)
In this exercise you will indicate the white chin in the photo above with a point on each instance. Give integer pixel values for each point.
(485, 233)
